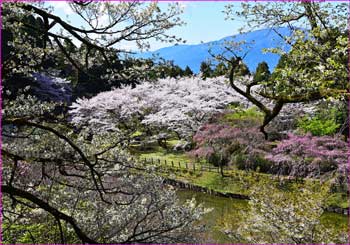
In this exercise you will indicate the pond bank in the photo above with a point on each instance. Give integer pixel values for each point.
(202, 189)
(176, 168)
(197, 188)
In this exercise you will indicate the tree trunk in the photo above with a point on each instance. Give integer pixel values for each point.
(270, 116)
(222, 170)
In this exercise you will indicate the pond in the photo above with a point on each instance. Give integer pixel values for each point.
(228, 211)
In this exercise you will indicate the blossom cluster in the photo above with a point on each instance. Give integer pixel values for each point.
(307, 155)
(179, 105)
(225, 139)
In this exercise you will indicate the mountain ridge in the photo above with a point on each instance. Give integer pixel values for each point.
(193, 54)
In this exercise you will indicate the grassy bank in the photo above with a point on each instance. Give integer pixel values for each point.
(179, 166)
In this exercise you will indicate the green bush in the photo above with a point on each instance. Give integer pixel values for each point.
(251, 162)
(337, 200)
(250, 113)
(318, 126)
(244, 117)
(239, 160)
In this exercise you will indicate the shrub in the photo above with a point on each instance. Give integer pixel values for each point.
(318, 126)
(219, 142)
(243, 118)
(311, 156)
(253, 161)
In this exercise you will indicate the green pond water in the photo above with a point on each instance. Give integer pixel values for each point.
(227, 211)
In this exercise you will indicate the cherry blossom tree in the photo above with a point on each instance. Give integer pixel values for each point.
(61, 184)
(81, 191)
(219, 142)
(314, 68)
(176, 105)
(277, 216)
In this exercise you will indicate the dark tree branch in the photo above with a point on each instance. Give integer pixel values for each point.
(248, 96)
(53, 211)
(60, 230)
(82, 3)
(71, 29)
(22, 122)
(64, 51)
(269, 117)
(269, 114)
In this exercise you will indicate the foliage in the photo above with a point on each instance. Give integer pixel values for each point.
(316, 66)
(316, 75)
(28, 234)
(220, 70)
(20, 42)
(242, 118)
(262, 72)
(341, 114)
(338, 199)
(282, 217)
(170, 70)
(188, 72)
(241, 70)
(206, 70)
(329, 117)
(318, 126)
(255, 162)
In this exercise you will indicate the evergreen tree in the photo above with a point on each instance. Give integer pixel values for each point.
(220, 70)
(206, 70)
(188, 72)
(282, 62)
(262, 72)
(176, 71)
(242, 70)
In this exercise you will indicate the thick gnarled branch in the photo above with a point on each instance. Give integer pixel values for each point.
(53, 211)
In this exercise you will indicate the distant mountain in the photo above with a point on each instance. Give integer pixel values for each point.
(192, 55)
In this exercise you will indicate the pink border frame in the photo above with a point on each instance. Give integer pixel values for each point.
(173, 1)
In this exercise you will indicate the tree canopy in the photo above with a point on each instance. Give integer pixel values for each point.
(178, 105)
(277, 216)
(315, 68)
(31, 36)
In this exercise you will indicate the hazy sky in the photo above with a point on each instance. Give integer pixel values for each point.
(205, 22)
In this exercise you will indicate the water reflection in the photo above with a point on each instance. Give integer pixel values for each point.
(227, 213)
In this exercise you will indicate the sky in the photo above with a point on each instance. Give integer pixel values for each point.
(204, 22)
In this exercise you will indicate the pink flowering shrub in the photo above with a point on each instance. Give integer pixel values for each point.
(310, 156)
(221, 133)
(221, 143)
